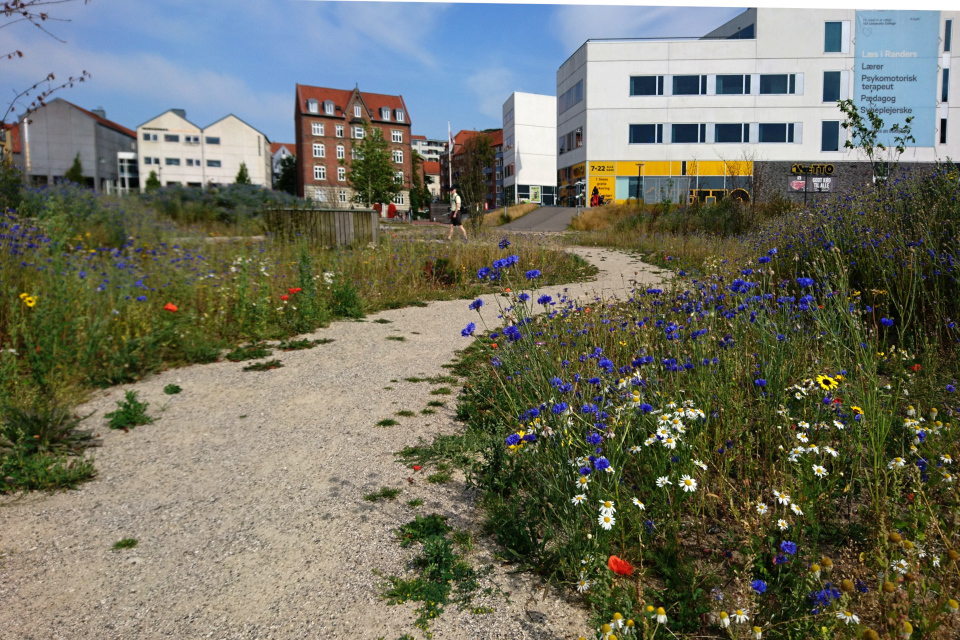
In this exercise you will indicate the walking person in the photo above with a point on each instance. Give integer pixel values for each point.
(456, 219)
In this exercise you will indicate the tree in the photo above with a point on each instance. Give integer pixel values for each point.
(417, 201)
(153, 182)
(372, 172)
(75, 172)
(287, 180)
(242, 176)
(476, 156)
(865, 138)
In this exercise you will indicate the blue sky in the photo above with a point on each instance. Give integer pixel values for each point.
(456, 62)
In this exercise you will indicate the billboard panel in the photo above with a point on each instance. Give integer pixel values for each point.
(896, 70)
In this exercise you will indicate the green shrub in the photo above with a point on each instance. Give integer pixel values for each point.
(130, 413)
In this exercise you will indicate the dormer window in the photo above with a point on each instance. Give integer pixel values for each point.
(313, 106)
(328, 107)
(385, 113)
(356, 111)
(400, 115)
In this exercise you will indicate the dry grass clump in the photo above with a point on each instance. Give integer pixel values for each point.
(497, 217)
(597, 218)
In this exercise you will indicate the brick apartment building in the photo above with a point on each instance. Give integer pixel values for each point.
(492, 175)
(328, 121)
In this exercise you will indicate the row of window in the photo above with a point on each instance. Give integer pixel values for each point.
(571, 97)
(320, 151)
(175, 137)
(321, 196)
(700, 133)
(320, 173)
(319, 129)
(313, 106)
(730, 84)
(175, 162)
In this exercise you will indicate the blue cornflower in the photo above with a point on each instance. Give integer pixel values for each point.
(646, 408)
(594, 438)
(523, 297)
(759, 586)
(468, 330)
(601, 463)
(951, 388)
(476, 304)
(82, 274)
(760, 382)
(584, 471)
(772, 252)
(504, 243)
(788, 547)
(141, 298)
(513, 439)
(483, 272)
(533, 273)
(544, 300)
(559, 408)
(763, 259)
(595, 381)
(887, 322)
(530, 437)
(805, 282)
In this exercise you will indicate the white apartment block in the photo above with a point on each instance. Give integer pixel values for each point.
(430, 150)
(694, 118)
(530, 148)
(180, 152)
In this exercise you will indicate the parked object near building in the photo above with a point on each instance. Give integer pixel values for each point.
(328, 122)
(530, 148)
(752, 106)
(279, 151)
(429, 149)
(53, 135)
(182, 153)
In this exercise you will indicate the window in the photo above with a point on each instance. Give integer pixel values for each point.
(320, 195)
(945, 91)
(171, 137)
(646, 133)
(573, 95)
(356, 111)
(191, 139)
(358, 133)
(733, 85)
(689, 85)
(339, 130)
(947, 34)
(831, 86)
(830, 135)
(396, 136)
(570, 141)
(943, 131)
(688, 133)
(398, 156)
(316, 128)
(213, 163)
(780, 83)
(147, 160)
(400, 115)
(340, 152)
(342, 174)
(646, 85)
(508, 118)
(773, 132)
(398, 177)
(731, 133)
(343, 197)
(313, 106)
(319, 151)
(319, 172)
(400, 199)
(385, 113)
(833, 37)
(172, 162)
(150, 137)
(190, 162)
(213, 140)
(328, 107)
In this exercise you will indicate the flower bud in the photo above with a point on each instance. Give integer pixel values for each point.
(894, 537)
(870, 634)
(889, 587)
(846, 585)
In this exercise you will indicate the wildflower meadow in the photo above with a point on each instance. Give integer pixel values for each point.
(762, 447)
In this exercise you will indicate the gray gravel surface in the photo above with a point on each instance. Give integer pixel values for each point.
(256, 526)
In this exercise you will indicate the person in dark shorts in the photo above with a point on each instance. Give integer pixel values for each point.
(456, 219)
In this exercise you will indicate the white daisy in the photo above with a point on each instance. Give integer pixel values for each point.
(936, 561)
(848, 617)
(830, 450)
(635, 449)
(578, 499)
(700, 464)
(762, 509)
(607, 508)
(583, 585)
(639, 505)
(670, 443)
(782, 524)
(819, 471)
(802, 437)
(688, 484)
(900, 566)
(896, 463)
(741, 615)
(663, 481)
(583, 482)
(946, 458)
(606, 522)
(796, 509)
(782, 498)
(947, 477)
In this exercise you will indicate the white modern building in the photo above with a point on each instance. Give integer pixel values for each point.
(530, 148)
(180, 152)
(430, 150)
(697, 118)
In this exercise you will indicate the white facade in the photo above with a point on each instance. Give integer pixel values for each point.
(530, 147)
(618, 102)
(182, 153)
(428, 149)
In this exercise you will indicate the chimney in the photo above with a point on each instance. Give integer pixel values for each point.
(99, 112)
(180, 112)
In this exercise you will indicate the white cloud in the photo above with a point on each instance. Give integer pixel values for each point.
(573, 25)
(491, 87)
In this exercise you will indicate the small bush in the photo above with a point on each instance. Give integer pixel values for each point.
(172, 389)
(405, 413)
(397, 338)
(125, 543)
(441, 391)
(130, 413)
(251, 352)
(263, 366)
(385, 493)
(387, 422)
(20, 471)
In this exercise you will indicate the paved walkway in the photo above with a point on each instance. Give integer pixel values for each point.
(246, 498)
(543, 219)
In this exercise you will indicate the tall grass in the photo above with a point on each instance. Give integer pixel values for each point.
(771, 432)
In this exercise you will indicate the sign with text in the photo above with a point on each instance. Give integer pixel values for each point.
(534, 194)
(812, 184)
(896, 70)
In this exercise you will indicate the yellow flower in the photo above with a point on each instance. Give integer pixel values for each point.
(23, 296)
(857, 410)
(827, 383)
(30, 301)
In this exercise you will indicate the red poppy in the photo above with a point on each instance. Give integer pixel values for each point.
(493, 345)
(620, 567)
(417, 467)
(284, 297)
(294, 290)
(507, 289)
(172, 308)
(915, 367)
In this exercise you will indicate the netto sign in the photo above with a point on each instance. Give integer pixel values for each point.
(812, 169)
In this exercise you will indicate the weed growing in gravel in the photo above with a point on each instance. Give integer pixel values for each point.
(263, 366)
(416, 502)
(405, 413)
(130, 413)
(427, 412)
(297, 345)
(172, 389)
(388, 388)
(397, 338)
(385, 493)
(21, 471)
(441, 391)
(436, 403)
(125, 543)
(445, 450)
(387, 422)
(250, 352)
(421, 528)
(440, 477)
(464, 539)
(382, 321)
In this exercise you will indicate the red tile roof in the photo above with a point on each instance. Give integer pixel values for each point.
(341, 97)
(418, 137)
(110, 124)
(275, 146)
(431, 167)
(14, 129)
(496, 138)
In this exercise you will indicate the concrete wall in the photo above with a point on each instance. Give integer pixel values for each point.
(239, 142)
(170, 123)
(532, 129)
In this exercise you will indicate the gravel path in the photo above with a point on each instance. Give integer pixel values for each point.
(246, 498)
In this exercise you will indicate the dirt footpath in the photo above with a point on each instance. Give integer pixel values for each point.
(246, 498)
